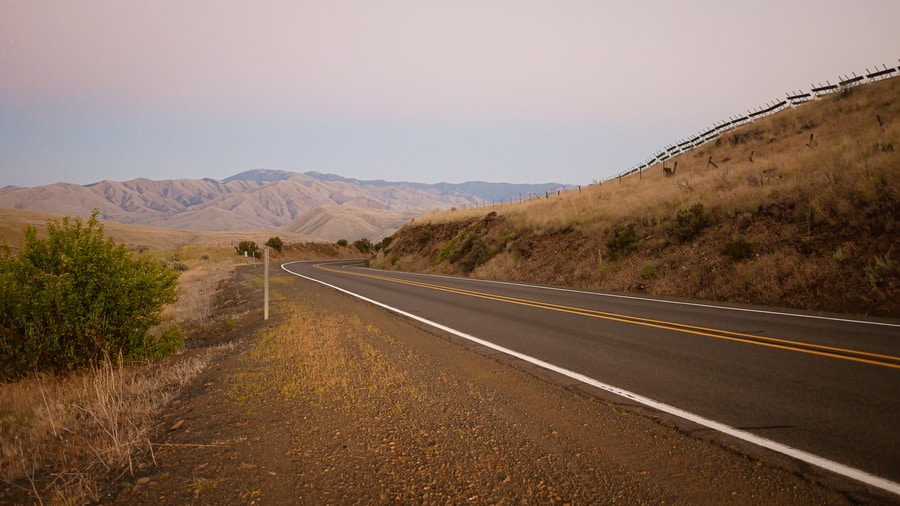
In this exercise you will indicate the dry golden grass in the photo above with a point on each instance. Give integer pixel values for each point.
(308, 357)
(63, 436)
(843, 157)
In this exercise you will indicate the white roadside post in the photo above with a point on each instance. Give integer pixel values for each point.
(266, 289)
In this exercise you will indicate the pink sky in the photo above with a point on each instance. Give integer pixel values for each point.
(519, 91)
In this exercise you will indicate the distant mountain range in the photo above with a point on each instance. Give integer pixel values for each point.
(323, 206)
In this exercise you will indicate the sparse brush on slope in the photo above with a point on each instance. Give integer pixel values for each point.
(799, 209)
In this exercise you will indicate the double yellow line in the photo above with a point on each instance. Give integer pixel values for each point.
(770, 342)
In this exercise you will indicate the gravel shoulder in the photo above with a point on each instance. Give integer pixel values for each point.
(333, 401)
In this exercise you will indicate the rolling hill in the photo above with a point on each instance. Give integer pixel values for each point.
(262, 199)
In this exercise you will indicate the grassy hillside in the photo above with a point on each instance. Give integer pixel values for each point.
(799, 209)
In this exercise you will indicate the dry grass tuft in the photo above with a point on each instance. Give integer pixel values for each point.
(63, 436)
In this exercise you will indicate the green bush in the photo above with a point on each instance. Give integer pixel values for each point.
(342, 242)
(881, 271)
(383, 244)
(77, 298)
(275, 243)
(248, 248)
(648, 271)
(689, 223)
(424, 238)
(622, 241)
(363, 245)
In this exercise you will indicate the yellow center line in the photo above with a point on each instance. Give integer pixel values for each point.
(771, 342)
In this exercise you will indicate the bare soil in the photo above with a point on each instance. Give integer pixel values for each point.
(483, 430)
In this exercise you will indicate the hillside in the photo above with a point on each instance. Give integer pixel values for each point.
(798, 209)
(258, 199)
(334, 223)
(140, 237)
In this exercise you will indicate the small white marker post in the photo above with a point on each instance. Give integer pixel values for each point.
(266, 289)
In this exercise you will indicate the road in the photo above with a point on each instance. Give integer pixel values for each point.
(825, 390)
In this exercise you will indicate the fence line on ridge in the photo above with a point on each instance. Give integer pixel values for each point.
(793, 98)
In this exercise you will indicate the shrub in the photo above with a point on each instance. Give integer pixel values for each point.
(881, 271)
(690, 222)
(342, 242)
(77, 298)
(275, 243)
(363, 245)
(247, 248)
(386, 242)
(424, 238)
(738, 248)
(175, 265)
(622, 240)
(648, 271)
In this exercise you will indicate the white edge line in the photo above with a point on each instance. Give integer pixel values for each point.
(661, 301)
(800, 455)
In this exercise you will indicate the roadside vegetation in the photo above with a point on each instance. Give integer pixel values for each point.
(86, 326)
(76, 298)
(96, 340)
(799, 209)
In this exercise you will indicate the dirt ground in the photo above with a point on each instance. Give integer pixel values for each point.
(461, 425)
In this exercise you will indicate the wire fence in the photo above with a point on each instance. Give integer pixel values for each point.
(792, 98)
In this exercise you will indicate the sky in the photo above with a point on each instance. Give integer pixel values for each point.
(520, 91)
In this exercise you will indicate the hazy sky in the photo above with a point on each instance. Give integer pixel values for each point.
(427, 91)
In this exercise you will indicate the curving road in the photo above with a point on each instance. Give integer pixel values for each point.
(823, 390)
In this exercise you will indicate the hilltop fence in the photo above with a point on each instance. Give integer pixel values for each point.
(791, 99)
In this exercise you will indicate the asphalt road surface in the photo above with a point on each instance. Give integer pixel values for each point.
(821, 389)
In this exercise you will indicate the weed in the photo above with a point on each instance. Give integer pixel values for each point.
(883, 147)
(881, 271)
(424, 238)
(738, 248)
(622, 241)
(839, 255)
(648, 271)
(689, 223)
(509, 235)
(601, 266)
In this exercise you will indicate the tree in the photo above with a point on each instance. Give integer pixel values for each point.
(363, 245)
(275, 243)
(77, 298)
(247, 248)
